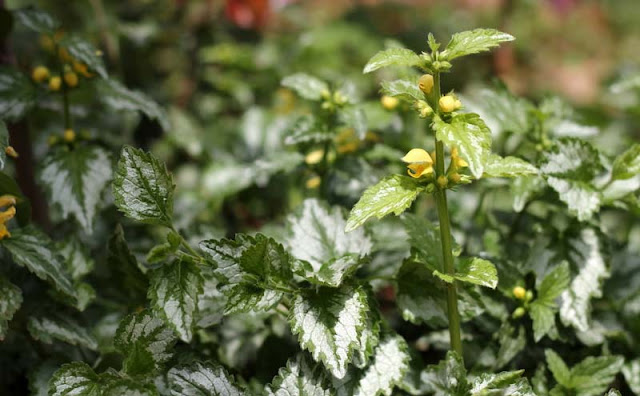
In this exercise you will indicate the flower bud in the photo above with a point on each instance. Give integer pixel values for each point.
(518, 313)
(313, 182)
(71, 79)
(52, 140)
(426, 83)
(455, 178)
(447, 103)
(69, 135)
(457, 104)
(442, 182)
(426, 112)
(39, 74)
(389, 102)
(55, 83)
(314, 157)
(528, 296)
(11, 152)
(81, 68)
(519, 292)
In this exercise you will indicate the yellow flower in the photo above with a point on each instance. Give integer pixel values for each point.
(6, 215)
(6, 200)
(419, 163)
(456, 160)
(11, 152)
(389, 102)
(447, 103)
(81, 68)
(39, 74)
(426, 83)
(314, 157)
(54, 83)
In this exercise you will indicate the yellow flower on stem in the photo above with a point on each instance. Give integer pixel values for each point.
(419, 163)
(456, 160)
(6, 200)
(6, 215)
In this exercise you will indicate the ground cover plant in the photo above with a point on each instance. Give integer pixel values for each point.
(330, 225)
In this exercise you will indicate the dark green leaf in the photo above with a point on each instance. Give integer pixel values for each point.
(386, 369)
(174, 290)
(118, 97)
(251, 270)
(49, 328)
(512, 342)
(393, 194)
(143, 188)
(75, 378)
(505, 383)
(473, 42)
(301, 377)
(10, 302)
(472, 137)
(145, 342)
(447, 378)
(31, 248)
(329, 324)
(17, 94)
(36, 20)
(593, 375)
(202, 379)
(75, 181)
(317, 237)
(4, 143)
(392, 57)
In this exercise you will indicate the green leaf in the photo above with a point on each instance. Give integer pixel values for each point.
(404, 89)
(585, 252)
(34, 250)
(393, 194)
(329, 323)
(4, 143)
(145, 342)
(202, 379)
(317, 237)
(511, 341)
(472, 137)
(505, 383)
(330, 273)
(501, 110)
(78, 261)
(558, 368)
(571, 158)
(593, 375)
(10, 302)
(75, 181)
(307, 86)
(174, 290)
(84, 52)
(307, 129)
(36, 20)
(392, 57)
(497, 166)
(355, 118)
(386, 369)
(301, 377)
(627, 164)
(544, 308)
(477, 271)
(46, 329)
(631, 373)
(128, 387)
(17, 94)
(582, 199)
(473, 42)
(251, 271)
(126, 267)
(118, 97)
(447, 378)
(75, 378)
(143, 188)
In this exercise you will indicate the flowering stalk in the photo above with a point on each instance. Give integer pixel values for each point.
(445, 232)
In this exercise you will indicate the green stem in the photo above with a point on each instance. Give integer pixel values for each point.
(186, 245)
(445, 236)
(66, 106)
